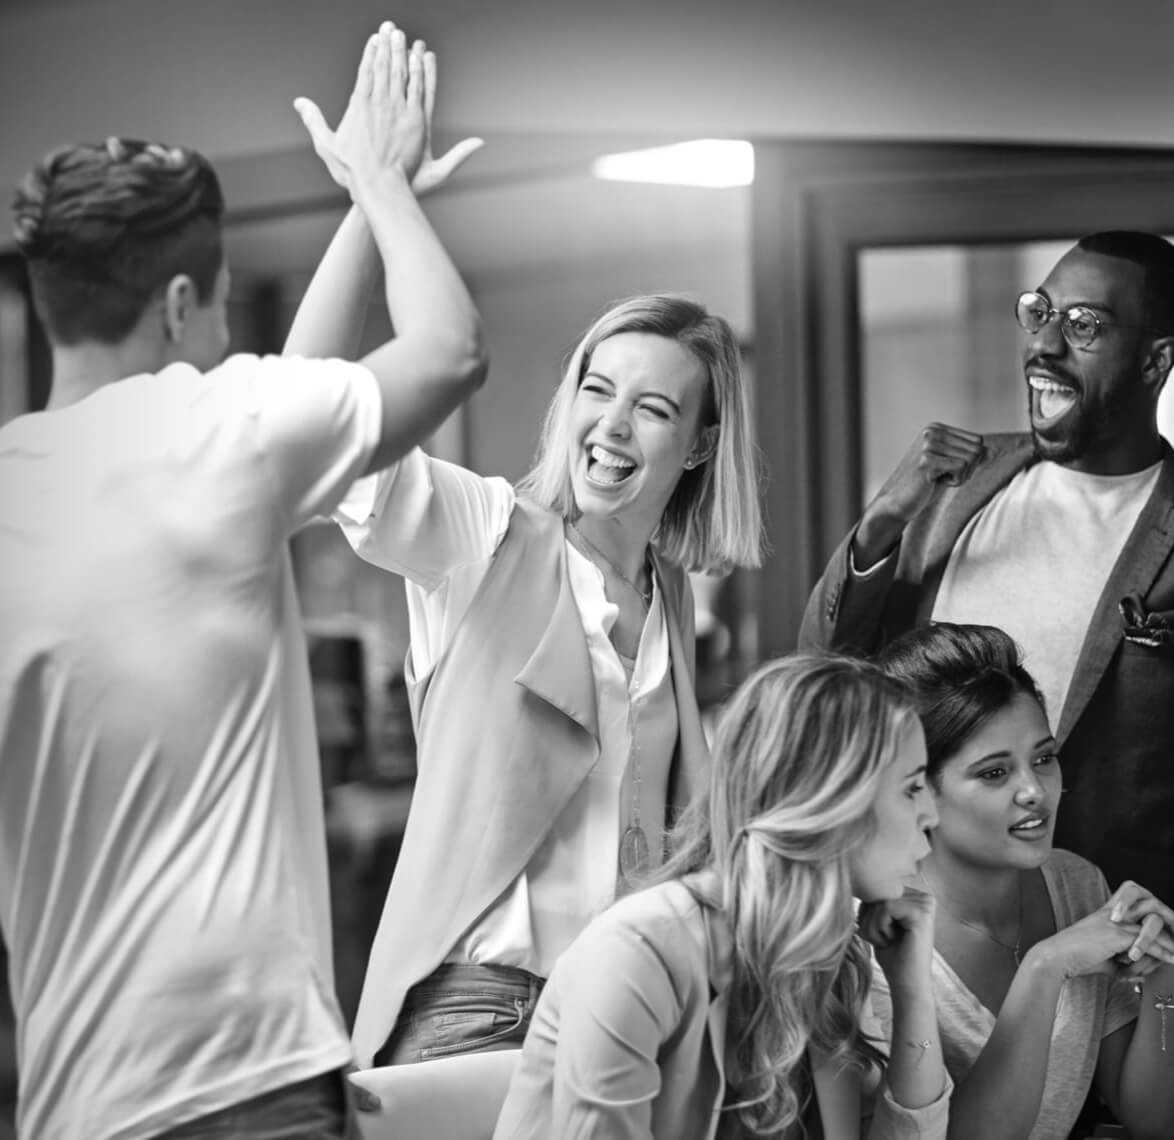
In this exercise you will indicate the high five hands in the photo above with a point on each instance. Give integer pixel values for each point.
(388, 119)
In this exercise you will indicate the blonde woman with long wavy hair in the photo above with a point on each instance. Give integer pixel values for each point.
(726, 999)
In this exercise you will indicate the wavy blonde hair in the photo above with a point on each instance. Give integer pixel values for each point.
(713, 520)
(797, 763)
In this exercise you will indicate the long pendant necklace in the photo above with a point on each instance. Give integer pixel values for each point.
(634, 842)
(987, 934)
(634, 850)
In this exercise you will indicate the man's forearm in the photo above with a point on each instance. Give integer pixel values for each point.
(876, 537)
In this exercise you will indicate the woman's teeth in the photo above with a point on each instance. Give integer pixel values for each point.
(1029, 825)
(607, 467)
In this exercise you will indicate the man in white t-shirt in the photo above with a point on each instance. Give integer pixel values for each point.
(163, 883)
(1063, 537)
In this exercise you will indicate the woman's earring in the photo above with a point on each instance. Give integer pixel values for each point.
(690, 464)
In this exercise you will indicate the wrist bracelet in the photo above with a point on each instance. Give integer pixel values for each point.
(1163, 1002)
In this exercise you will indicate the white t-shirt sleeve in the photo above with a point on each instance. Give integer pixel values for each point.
(315, 422)
(424, 518)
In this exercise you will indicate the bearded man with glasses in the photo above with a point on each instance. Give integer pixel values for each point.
(1063, 536)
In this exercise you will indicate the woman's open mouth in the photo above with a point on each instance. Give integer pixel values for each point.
(606, 467)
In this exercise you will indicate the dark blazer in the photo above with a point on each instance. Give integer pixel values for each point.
(1116, 729)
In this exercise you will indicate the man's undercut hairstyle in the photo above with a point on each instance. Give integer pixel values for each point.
(105, 226)
(1155, 255)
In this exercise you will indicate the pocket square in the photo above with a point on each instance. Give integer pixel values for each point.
(1151, 630)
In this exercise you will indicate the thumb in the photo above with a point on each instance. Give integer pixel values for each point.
(320, 134)
(456, 156)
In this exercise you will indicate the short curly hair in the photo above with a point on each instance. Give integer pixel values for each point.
(104, 226)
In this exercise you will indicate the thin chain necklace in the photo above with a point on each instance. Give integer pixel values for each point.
(582, 541)
(986, 933)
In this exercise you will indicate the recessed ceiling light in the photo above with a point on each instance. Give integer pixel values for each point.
(702, 162)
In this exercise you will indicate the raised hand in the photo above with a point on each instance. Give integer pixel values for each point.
(941, 456)
(385, 124)
(901, 933)
(432, 171)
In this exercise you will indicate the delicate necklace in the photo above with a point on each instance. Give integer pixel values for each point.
(586, 547)
(634, 850)
(986, 933)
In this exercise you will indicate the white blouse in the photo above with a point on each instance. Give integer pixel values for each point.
(439, 525)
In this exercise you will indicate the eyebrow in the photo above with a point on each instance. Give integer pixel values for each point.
(916, 772)
(645, 394)
(1048, 741)
(1097, 305)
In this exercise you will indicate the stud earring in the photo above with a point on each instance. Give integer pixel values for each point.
(690, 464)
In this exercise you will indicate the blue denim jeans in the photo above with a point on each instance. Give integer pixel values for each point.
(317, 1109)
(463, 1009)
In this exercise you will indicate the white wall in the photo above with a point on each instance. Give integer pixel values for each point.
(220, 74)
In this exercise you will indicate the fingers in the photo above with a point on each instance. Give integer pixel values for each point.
(364, 1099)
(365, 79)
(949, 454)
(311, 116)
(1151, 927)
(381, 65)
(1132, 903)
(946, 434)
(429, 83)
(1142, 968)
(1123, 898)
(415, 91)
(456, 156)
(876, 925)
(397, 77)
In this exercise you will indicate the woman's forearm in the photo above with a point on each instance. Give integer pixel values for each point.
(1145, 1093)
(1006, 1082)
(330, 319)
(916, 1073)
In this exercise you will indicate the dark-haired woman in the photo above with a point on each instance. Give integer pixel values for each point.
(1034, 959)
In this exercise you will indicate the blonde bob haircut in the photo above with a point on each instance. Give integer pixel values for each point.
(798, 759)
(713, 520)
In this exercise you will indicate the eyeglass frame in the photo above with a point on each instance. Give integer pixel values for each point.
(1099, 322)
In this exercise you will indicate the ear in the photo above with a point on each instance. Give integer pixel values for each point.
(179, 302)
(704, 448)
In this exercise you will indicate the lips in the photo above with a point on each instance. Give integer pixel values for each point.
(1034, 826)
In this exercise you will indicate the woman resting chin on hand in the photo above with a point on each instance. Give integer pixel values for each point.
(689, 1009)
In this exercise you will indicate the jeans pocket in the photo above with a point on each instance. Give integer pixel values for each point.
(481, 1025)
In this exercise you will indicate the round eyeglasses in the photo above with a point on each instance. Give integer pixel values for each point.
(1079, 324)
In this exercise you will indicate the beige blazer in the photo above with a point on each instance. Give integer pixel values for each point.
(507, 733)
(628, 1039)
